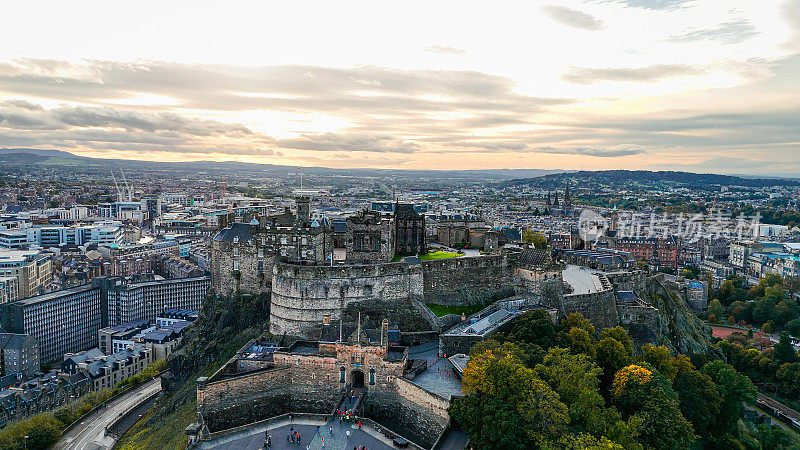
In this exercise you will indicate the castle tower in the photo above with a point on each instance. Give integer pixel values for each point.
(567, 200)
(303, 208)
(555, 201)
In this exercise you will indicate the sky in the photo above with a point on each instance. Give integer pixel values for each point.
(704, 86)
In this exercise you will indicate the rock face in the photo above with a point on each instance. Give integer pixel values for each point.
(678, 327)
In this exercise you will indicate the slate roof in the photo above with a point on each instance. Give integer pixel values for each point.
(237, 232)
(626, 297)
(512, 234)
(11, 340)
(339, 226)
(533, 257)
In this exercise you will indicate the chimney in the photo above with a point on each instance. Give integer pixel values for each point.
(385, 333)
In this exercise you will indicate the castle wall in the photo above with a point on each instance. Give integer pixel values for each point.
(245, 399)
(410, 411)
(242, 271)
(598, 307)
(303, 295)
(465, 280)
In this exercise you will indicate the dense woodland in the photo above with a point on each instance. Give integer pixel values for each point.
(536, 384)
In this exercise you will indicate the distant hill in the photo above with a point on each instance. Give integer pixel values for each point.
(30, 156)
(648, 178)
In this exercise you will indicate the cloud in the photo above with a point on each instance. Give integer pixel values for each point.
(790, 12)
(445, 50)
(732, 32)
(639, 74)
(334, 142)
(662, 5)
(573, 18)
(528, 147)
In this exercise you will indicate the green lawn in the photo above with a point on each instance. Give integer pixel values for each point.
(439, 255)
(443, 310)
(429, 256)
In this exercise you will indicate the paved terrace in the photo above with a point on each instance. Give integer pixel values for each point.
(439, 378)
(253, 438)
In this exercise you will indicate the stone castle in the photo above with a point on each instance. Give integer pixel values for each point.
(325, 351)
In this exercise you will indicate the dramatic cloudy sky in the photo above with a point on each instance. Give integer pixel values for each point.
(705, 85)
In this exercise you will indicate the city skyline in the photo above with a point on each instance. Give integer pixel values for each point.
(636, 84)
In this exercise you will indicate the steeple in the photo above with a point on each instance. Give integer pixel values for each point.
(555, 201)
(549, 204)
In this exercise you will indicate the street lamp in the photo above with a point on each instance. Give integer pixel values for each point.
(26, 441)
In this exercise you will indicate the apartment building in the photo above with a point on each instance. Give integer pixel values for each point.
(32, 270)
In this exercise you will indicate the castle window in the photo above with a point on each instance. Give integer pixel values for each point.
(341, 374)
(368, 289)
(371, 376)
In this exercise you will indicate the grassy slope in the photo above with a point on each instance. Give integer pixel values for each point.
(225, 326)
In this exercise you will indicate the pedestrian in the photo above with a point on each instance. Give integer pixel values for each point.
(348, 434)
(298, 438)
(359, 424)
(331, 430)
(323, 442)
(291, 419)
(292, 437)
(287, 438)
(317, 429)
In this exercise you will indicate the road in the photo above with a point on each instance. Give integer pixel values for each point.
(90, 432)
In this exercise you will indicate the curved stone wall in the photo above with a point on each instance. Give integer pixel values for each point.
(303, 295)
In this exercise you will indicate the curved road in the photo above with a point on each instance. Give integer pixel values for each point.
(90, 432)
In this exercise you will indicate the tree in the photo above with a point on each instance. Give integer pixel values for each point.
(793, 327)
(699, 399)
(734, 388)
(534, 237)
(502, 376)
(647, 396)
(660, 359)
(575, 380)
(533, 327)
(621, 335)
(580, 341)
(576, 320)
(783, 350)
(490, 423)
(715, 308)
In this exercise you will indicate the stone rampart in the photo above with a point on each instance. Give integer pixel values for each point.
(598, 307)
(467, 280)
(410, 411)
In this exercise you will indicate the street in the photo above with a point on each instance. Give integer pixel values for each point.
(90, 432)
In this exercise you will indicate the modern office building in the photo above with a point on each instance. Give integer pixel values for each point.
(127, 302)
(64, 321)
(68, 321)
